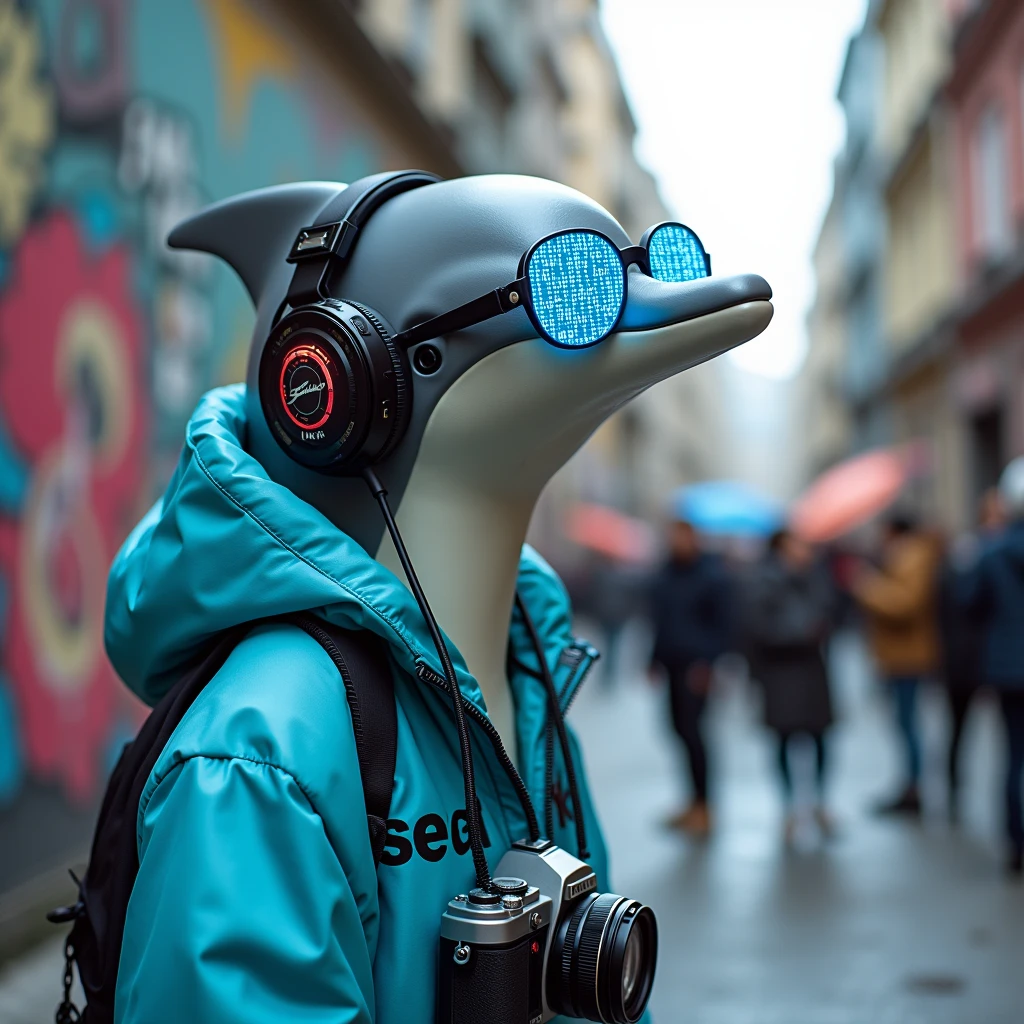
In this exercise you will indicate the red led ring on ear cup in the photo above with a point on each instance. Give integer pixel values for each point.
(306, 387)
(332, 386)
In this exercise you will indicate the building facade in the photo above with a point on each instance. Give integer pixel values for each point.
(919, 266)
(822, 377)
(951, 145)
(857, 287)
(986, 97)
(904, 383)
(846, 362)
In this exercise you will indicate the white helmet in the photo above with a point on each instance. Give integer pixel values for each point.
(1011, 488)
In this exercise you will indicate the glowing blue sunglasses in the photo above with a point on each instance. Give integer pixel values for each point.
(573, 284)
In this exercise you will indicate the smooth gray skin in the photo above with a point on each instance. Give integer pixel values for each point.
(422, 253)
(499, 419)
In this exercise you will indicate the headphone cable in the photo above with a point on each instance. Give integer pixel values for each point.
(483, 873)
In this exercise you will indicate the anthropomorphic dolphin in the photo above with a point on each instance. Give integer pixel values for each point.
(495, 423)
(257, 899)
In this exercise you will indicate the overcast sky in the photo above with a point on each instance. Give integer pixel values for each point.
(735, 102)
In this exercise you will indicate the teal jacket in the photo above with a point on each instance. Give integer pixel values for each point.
(257, 900)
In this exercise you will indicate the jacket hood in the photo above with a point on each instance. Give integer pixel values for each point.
(227, 545)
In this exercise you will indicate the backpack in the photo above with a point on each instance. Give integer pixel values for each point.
(94, 942)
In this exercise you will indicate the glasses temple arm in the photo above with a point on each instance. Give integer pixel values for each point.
(493, 304)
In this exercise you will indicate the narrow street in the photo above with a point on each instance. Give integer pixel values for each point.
(892, 921)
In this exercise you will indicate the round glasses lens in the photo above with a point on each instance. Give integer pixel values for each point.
(577, 286)
(676, 254)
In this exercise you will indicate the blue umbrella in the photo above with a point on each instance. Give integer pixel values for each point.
(726, 507)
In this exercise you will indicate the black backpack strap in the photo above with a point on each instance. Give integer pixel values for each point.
(103, 894)
(361, 658)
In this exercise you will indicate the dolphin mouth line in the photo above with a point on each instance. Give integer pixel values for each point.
(652, 304)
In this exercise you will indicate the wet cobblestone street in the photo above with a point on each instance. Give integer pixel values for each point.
(892, 921)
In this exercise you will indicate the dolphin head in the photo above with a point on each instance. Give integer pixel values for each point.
(505, 409)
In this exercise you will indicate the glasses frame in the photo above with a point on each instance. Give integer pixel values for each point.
(518, 293)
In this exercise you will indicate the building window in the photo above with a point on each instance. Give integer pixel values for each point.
(419, 42)
(991, 184)
(493, 102)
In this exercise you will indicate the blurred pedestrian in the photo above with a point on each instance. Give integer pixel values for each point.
(691, 615)
(961, 631)
(899, 599)
(614, 599)
(789, 614)
(995, 593)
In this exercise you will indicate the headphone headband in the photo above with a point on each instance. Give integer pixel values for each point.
(322, 250)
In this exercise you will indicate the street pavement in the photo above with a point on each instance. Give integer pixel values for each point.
(892, 922)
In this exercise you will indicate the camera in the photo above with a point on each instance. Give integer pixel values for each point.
(543, 941)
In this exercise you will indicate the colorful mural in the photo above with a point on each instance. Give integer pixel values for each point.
(119, 117)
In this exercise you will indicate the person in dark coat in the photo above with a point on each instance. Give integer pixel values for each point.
(692, 619)
(961, 632)
(961, 635)
(789, 616)
(994, 591)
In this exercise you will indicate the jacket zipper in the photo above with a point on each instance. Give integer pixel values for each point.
(577, 683)
(427, 674)
(577, 647)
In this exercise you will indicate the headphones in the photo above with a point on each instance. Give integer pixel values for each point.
(334, 387)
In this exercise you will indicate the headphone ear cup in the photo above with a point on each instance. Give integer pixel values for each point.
(333, 387)
(397, 383)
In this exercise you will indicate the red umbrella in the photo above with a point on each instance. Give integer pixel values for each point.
(850, 494)
(609, 532)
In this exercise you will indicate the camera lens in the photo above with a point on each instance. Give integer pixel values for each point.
(602, 961)
(632, 960)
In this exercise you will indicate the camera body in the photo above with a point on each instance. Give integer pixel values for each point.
(542, 941)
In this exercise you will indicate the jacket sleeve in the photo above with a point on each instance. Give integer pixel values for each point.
(241, 912)
(902, 592)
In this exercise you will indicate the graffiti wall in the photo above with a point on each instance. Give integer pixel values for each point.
(117, 118)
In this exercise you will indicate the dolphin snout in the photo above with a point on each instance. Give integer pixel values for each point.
(651, 303)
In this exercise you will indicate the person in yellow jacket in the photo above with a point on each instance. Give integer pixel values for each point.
(899, 602)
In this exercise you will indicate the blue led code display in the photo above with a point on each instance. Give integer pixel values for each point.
(577, 285)
(676, 254)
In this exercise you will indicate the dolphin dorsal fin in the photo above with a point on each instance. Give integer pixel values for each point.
(253, 232)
